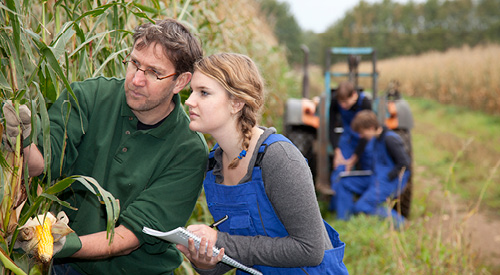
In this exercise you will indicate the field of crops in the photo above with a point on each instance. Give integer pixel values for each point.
(466, 76)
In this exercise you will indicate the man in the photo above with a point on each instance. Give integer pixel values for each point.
(132, 135)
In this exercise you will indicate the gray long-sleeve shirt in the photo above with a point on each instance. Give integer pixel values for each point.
(289, 186)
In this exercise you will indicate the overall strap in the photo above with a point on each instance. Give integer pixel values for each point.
(262, 150)
(360, 99)
(211, 159)
(269, 140)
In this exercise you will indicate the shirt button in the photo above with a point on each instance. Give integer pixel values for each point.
(130, 118)
(124, 149)
(127, 132)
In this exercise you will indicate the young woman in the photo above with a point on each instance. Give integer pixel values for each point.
(256, 177)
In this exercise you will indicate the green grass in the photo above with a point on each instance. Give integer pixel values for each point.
(442, 131)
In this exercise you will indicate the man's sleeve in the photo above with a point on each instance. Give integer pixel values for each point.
(396, 150)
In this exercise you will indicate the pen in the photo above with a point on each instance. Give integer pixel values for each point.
(215, 224)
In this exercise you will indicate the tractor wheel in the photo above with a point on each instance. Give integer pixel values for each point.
(403, 203)
(304, 139)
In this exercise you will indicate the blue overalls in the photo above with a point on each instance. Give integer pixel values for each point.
(348, 142)
(251, 213)
(374, 189)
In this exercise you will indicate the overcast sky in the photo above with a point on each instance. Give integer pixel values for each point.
(317, 15)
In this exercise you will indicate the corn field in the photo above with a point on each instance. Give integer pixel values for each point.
(464, 76)
(46, 44)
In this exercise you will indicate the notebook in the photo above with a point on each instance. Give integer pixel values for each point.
(180, 235)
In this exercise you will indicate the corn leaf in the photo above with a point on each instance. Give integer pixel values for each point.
(55, 199)
(110, 58)
(9, 264)
(60, 185)
(112, 204)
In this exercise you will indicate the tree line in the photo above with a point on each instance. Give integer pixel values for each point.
(393, 28)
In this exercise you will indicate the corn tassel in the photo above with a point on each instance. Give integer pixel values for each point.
(45, 246)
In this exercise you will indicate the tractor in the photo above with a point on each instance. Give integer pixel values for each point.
(307, 120)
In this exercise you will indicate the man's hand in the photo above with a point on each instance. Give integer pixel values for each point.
(338, 159)
(349, 164)
(13, 122)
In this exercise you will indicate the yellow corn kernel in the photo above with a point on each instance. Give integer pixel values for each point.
(45, 241)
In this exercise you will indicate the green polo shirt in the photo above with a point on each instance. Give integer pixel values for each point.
(155, 174)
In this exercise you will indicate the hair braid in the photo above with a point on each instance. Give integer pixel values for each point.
(247, 122)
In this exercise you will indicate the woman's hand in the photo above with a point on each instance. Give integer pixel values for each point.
(203, 257)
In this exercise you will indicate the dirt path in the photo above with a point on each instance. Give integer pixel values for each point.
(478, 231)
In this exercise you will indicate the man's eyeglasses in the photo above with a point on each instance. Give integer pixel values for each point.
(150, 74)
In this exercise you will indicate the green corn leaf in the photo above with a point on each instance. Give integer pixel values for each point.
(112, 205)
(60, 186)
(62, 39)
(4, 85)
(16, 30)
(57, 200)
(9, 264)
(51, 59)
(110, 58)
(99, 35)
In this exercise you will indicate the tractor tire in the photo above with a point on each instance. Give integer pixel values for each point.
(403, 202)
(304, 139)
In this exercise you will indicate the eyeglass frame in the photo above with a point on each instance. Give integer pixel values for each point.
(125, 61)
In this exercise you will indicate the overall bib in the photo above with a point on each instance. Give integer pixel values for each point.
(251, 213)
(371, 202)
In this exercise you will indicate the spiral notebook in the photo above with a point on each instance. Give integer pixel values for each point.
(180, 235)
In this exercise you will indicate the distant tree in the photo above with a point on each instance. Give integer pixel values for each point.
(412, 28)
(286, 28)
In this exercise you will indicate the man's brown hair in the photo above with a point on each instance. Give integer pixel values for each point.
(345, 90)
(181, 47)
(364, 119)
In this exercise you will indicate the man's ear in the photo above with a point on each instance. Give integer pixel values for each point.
(182, 81)
(237, 105)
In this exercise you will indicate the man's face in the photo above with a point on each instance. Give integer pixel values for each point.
(146, 95)
(347, 103)
(368, 133)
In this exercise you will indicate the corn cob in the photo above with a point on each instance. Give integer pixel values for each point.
(45, 246)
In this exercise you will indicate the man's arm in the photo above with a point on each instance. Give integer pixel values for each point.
(96, 246)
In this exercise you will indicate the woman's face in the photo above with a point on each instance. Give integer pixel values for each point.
(210, 108)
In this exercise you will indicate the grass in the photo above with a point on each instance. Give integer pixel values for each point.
(443, 130)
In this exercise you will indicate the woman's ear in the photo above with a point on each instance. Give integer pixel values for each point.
(237, 105)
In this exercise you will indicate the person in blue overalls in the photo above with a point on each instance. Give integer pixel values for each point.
(256, 177)
(391, 170)
(350, 151)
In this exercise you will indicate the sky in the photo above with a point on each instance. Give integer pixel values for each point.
(318, 15)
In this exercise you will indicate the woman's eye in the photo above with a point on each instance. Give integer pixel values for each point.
(203, 93)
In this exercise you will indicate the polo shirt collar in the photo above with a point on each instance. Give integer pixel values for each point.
(168, 124)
